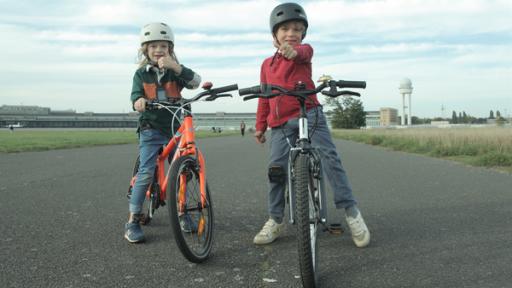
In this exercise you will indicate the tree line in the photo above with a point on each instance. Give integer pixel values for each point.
(348, 113)
(463, 118)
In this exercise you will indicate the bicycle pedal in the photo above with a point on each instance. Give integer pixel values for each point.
(144, 219)
(334, 228)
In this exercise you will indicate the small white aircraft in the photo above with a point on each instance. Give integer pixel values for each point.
(17, 125)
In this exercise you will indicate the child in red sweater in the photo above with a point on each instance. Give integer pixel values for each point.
(290, 64)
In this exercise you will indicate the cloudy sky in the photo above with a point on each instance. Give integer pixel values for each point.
(81, 55)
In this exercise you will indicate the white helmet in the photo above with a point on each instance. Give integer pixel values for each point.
(156, 32)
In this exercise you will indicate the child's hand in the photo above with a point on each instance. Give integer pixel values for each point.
(260, 137)
(286, 50)
(140, 105)
(169, 63)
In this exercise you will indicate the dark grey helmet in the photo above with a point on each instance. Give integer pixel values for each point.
(286, 12)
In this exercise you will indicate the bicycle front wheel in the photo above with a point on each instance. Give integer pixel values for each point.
(307, 222)
(191, 218)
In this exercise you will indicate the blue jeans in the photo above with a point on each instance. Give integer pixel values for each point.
(331, 162)
(150, 141)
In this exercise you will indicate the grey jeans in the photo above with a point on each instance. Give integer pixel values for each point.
(331, 162)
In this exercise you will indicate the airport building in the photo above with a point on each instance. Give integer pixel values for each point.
(383, 118)
(43, 117)
(388, 116)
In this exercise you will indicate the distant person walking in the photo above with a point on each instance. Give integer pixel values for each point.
(11, 128)
(242, 128)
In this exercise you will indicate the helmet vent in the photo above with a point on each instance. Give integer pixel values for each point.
(280, 13)
(147, 33)
(163, 32)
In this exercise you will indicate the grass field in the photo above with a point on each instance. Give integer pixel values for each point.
(22, 140)
(489, 147)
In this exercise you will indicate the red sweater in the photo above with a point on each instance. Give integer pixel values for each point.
(280, 71)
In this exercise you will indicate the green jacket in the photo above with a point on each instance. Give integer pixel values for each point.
(146, 84)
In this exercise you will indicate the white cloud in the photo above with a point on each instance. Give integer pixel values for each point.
(393, 48)
(240, 38)
(454, 51)
(79, 36)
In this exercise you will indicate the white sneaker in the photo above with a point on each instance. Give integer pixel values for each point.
(270, 231)
(360, 233)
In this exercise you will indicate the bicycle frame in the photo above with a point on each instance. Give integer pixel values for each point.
(190, 207)
(184, 142)
(303, 145)
(306, 194)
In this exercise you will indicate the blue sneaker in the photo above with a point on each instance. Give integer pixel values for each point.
(133, 232)
(187, 224)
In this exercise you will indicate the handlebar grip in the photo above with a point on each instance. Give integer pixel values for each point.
(225, 89)
(351, 84)
(250, 90)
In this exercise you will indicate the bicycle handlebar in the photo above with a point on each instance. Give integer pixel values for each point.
(208, 91)
(267, 90)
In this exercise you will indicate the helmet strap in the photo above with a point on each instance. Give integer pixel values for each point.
(275, 38)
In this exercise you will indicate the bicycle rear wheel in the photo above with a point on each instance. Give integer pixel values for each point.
(307, 220)
(151, 201)
(191, 222)
(134, 174)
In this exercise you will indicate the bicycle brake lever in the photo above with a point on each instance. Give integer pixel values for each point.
(329, 93)
(341, 93)
(225, 95)
(351, 93)
(251, 97)
(213, 97)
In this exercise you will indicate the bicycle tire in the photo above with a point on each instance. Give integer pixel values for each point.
(150, 203)
(307, 222)
(192, 224)
(134, 173)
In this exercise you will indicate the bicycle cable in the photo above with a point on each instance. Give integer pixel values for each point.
(174, 113)
(314, 126)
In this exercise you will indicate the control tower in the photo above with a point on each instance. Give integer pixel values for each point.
(406, 90)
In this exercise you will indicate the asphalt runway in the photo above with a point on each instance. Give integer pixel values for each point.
(434, 223)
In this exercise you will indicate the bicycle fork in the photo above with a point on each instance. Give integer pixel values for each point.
(317, 191)
(304, 146)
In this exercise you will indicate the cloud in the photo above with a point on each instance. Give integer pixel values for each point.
(86, 37)
(452, 50)
(393, 48)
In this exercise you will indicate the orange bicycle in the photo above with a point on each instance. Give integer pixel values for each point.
(184, 184)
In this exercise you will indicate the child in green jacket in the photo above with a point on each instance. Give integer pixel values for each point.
(159, 78)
